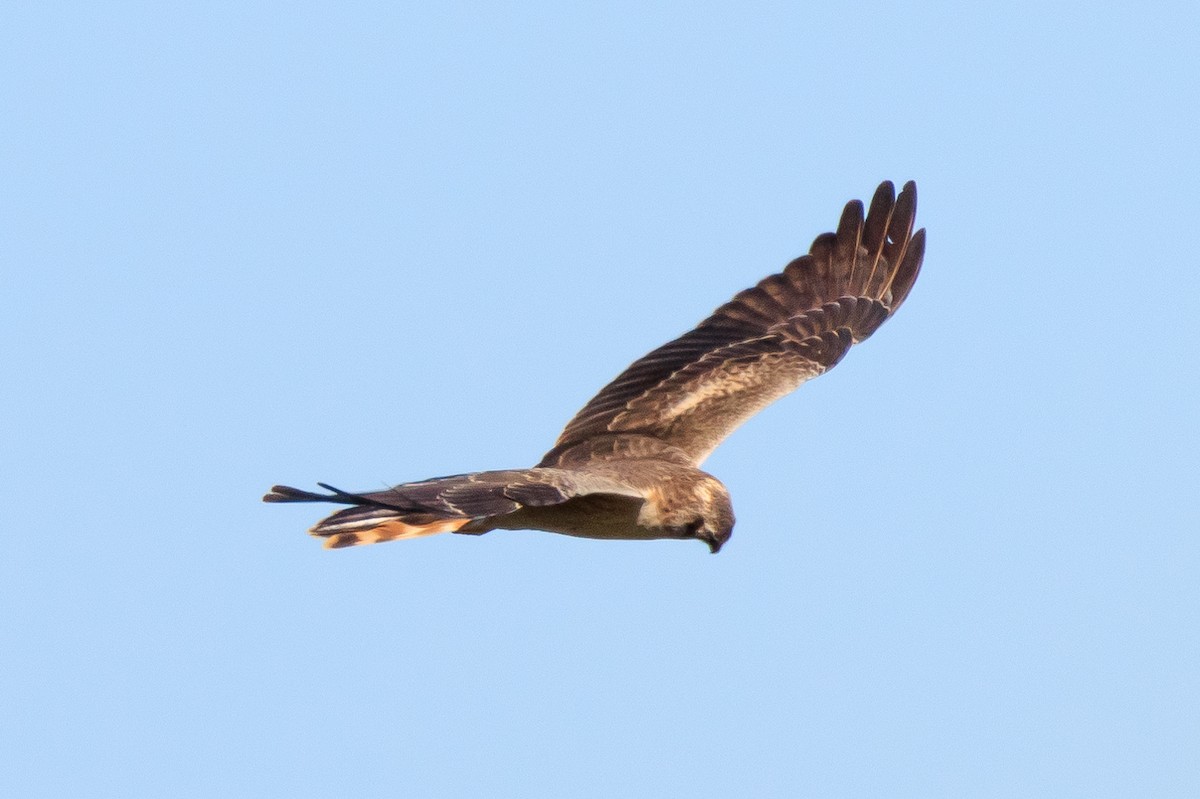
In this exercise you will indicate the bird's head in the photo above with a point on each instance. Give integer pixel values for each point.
(713, 534)
(716, 525)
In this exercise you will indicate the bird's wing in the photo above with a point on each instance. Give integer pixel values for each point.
(694, 391)
(459, 503)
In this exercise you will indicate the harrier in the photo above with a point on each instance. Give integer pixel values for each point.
(626, 467)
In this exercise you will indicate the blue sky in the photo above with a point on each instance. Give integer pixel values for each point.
(367, 243)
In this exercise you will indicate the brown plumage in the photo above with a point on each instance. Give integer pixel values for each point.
(626, 466)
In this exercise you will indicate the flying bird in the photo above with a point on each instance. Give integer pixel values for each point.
(627, 465)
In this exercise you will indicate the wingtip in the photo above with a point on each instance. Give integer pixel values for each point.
(851, 221)
(287, 494)
(904, 212)
(885, 194)
(908, 269)
(281, 494)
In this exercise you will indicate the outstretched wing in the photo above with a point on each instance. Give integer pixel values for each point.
(766, 341)
(460, 503)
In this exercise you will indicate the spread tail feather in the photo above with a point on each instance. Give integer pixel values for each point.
(379, 528)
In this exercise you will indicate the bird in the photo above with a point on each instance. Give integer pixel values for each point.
(627, 466)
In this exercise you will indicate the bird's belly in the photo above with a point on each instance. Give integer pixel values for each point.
(596, 516)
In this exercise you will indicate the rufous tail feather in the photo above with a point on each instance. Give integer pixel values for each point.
(392, 530)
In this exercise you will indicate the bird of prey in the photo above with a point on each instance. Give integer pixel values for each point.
(627, 465)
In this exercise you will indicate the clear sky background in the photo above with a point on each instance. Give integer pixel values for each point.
(363, 243)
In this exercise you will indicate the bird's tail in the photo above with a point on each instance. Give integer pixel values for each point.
(371, 519)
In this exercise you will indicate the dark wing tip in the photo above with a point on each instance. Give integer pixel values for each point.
(289, 494)
(849, 232)
(885, 194)
(910, 267)
(878, 216)
(903, 214)
(851, 220)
